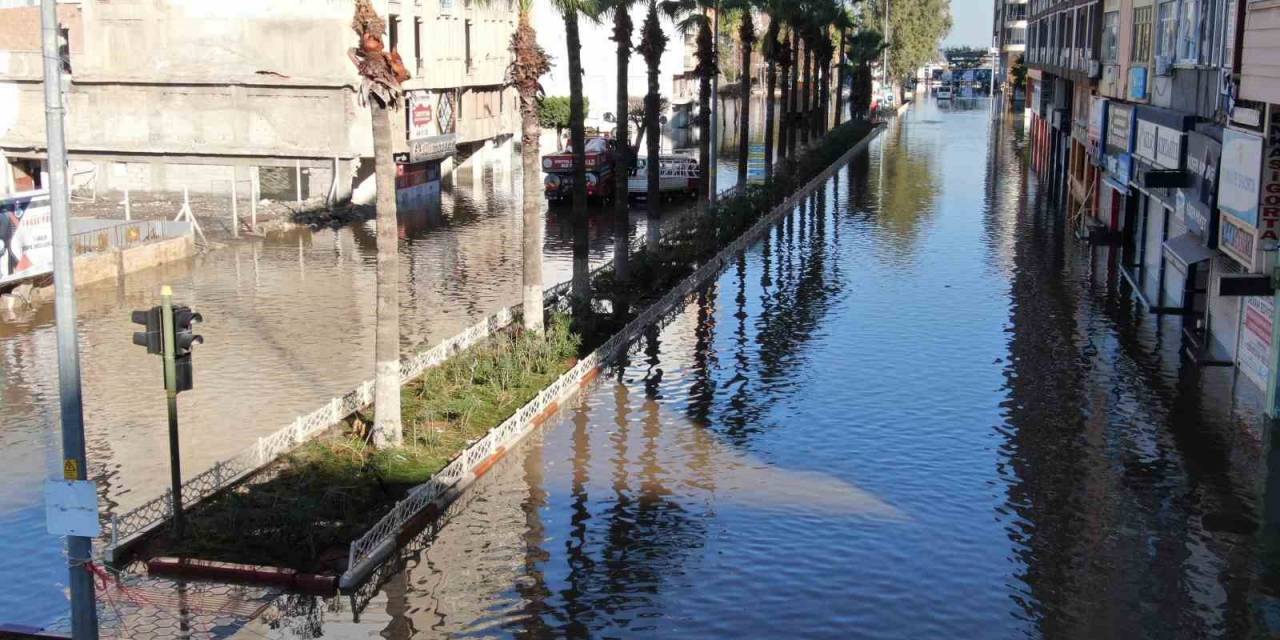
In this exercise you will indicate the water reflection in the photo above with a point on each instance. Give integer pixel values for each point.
(897, 415)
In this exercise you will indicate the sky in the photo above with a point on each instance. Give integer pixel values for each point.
(970, 23)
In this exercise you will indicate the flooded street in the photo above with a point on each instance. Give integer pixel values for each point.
(914, 410)
(288, 325)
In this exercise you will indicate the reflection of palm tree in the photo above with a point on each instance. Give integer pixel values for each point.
(534, 592)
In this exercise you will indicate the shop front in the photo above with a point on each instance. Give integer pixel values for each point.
(1239, 187)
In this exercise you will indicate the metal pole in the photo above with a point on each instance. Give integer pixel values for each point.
(171, 393)
(297, 181)
(712, 172)
(253, 199)
(884, 68)
(128, 213)
(84, 612)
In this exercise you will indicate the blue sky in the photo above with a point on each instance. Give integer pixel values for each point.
(970, 23)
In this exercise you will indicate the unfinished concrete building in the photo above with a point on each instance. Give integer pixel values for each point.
(173, 95)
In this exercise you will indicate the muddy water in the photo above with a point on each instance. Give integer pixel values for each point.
(288, 325)
(914, 410)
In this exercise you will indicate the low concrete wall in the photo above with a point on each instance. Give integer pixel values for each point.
(96, 267)
(114, 263)
(154, 254)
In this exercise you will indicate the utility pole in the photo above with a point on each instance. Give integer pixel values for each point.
(84, 612)
(713, 170)
(884, 66)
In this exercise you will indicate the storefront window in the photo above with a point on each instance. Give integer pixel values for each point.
(1167, 31)
(1189, 31)
(1111, 36)
(1141, 35)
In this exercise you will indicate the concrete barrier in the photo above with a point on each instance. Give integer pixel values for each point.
(154, 254)
(96, 267)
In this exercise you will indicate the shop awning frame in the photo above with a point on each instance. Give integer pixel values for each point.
(1188, 249)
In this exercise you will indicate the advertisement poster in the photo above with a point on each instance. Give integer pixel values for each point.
(755, 163)
(1255, 340)
(1238, 179)
(26, 237)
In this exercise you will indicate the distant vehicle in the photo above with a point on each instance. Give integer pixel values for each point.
(600, 162)
(944, 92)
(677, 175)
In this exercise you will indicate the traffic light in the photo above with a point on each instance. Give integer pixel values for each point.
(153, 337)
(183, 339)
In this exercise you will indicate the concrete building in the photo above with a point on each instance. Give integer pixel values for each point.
(1009, 36)
(168, 95)
(1151, 124)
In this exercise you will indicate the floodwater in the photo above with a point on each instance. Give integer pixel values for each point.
(289, 324)
(914, 410)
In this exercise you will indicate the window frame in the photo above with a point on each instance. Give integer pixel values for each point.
(1110, 38)
(1188, 39)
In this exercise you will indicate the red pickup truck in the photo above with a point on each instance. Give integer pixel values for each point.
(600, 160)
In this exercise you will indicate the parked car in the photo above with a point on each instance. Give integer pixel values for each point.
(600, 162)
(944, 93)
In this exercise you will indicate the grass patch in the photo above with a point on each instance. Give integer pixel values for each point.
(306, 507)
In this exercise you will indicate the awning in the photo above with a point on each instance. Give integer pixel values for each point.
(1188, 249)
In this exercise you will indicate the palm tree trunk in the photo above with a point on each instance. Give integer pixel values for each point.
(806, 126)
(623, 162)
(841, 79)
(387, 431)
(793, 138)
(704, 112)
(770, 84)
(578, 137)
(747, 37)
(654, 42)
(784, 101)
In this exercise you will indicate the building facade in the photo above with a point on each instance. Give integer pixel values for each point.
(1150, 124)
(1009, 36)
(173, 95)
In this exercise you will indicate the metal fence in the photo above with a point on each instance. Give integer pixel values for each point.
(95, 236)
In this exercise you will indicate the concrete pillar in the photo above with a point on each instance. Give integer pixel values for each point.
(344, 179)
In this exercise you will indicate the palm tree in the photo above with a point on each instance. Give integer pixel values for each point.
(653, 43)
(528, 64)
(793, 104)
(691, 17)
(622, 28)
(569, 10)
(746, 40)
(843, 24)
(381, 73)
(864, 48)
(783, 55)
(770, 51)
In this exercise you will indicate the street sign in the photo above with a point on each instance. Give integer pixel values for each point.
(71, 508)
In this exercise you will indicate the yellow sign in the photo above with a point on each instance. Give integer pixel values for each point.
(70, 469)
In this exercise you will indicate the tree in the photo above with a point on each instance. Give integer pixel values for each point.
(569, 10)
(691, 17)
(553, 111)
(636, 116)
(653, 43)
(622, 28)
(380, 76)
(528, 64)
(844, 23)
(1018, 73)
(746, 41)
(915, 28)
(865, 47)
(770, 49)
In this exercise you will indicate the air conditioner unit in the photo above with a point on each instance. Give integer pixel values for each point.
(1163, 65)
(1095, 69)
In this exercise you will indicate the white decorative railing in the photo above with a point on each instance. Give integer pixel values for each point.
(371, 549)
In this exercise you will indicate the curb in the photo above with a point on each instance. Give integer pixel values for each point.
(310, 583)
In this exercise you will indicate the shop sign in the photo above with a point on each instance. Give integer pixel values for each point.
(1236, 239)
(1097, 118)
(431, 125)
(1255, 341)
(26, 236)
(1137, 83)
(1269, 208)
(1159, 145)
(1120, 127)
(1196, 218)
(1035, 96)
(1238, 179)
(1203, 154)
(1119, 166)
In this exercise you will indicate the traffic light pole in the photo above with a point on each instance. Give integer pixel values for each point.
(171, 393)
(84, 612)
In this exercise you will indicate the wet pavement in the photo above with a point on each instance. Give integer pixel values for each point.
(915, 409)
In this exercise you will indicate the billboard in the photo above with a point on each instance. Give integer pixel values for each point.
(26, 236)
(1239, 175)
(431, 125)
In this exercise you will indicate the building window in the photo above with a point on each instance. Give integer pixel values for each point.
(1167, 30)
(1189, 31)
(1141, 35)
(1111, 37)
